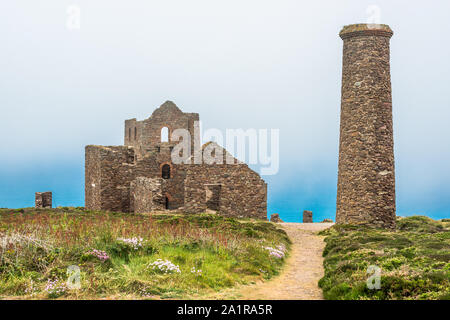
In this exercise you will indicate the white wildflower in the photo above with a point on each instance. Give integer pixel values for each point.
(164, 266)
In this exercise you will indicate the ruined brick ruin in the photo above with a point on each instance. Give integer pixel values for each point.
(141, 177)
(307, 216)
(43, 199)
(366, 179)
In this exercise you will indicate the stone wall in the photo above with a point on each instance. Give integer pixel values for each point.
(108, 174)
(150, 166)
(366, 179)
(242, 191)
(145, 135)
(146, 195)
(43, 199)
(92, 167)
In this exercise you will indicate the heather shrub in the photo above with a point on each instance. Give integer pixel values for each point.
(414, 261)
(137, 256)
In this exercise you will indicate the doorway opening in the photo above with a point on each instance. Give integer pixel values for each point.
(166, 203)
(212, 192)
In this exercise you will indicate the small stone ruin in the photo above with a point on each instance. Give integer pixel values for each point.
(307, 216)
(43, 199)
(275, 217)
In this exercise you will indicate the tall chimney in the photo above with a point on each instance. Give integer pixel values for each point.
(366, 177)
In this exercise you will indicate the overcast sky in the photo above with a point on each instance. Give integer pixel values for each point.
(239, 64)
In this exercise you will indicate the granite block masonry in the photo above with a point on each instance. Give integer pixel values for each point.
(140, 176)
(275, 217)
(43, 199)
(307, 216)
(366, 176)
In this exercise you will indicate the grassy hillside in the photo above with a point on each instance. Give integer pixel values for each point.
(132, 256)
(414, 260)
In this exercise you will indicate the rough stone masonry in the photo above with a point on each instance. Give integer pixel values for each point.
(141, 177)
(43, 199)
(366, 179)
(307, 216)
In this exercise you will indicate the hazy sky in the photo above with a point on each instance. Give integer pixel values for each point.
(240, 64)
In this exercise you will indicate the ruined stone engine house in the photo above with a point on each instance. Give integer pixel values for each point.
(141, 177)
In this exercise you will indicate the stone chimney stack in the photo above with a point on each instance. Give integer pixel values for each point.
(366, 178)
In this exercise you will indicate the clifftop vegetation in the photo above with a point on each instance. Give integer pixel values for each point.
(130, 255)
(414, 260)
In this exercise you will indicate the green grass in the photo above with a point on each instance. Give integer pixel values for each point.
(38, 246)
(414, 260)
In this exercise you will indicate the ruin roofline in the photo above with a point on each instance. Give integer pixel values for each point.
(168, 105)
(110, 148)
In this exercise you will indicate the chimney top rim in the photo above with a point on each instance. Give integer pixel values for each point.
(366, 29)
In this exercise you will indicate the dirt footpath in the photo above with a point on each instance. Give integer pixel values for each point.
(299, 277)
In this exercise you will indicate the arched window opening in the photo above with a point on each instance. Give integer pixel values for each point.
(165, 134)
(129, 133)
(135, 133)
(165, 172)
